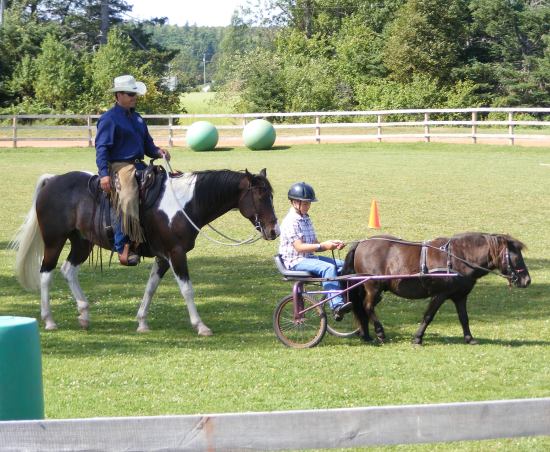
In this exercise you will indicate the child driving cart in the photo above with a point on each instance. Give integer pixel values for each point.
(299, 243)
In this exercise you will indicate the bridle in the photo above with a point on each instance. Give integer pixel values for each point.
(250, 191)
(512, 274)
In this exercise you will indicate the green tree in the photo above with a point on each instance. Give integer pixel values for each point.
(57, 75)
(119, 57)
(426, 38)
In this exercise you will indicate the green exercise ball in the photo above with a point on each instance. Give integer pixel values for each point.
(21, 392)
(259, 134)
(202, 136)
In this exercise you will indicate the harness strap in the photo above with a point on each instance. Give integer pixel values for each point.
(423, 258)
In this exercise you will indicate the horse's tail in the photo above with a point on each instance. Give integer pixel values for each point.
(354, 295)
(29, 244)
(349, 267)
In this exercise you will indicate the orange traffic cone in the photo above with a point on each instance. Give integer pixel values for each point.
(374, 219)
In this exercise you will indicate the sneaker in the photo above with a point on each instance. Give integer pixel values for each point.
(339, 311)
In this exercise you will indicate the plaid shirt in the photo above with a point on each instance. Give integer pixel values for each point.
(295, 227)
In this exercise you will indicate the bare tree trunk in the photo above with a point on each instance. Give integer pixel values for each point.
(104, 21)
(2, 9)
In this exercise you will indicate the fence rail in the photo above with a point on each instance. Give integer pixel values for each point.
(286, 430)
(472, 124)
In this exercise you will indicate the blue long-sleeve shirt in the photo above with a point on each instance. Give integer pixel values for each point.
(122, 135)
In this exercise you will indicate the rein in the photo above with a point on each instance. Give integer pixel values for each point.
(251, 239)
(445, 248)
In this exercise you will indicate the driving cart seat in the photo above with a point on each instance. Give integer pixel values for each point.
(290, 274)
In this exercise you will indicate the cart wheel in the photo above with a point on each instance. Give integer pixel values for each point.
(305, 333)
(347, 327)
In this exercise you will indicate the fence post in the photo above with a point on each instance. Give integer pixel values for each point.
(14, 131)
(379, 129)
(89, 123)
(474, 127)
(426, 128)
(511, 128)
(317, 130)
(170, 132)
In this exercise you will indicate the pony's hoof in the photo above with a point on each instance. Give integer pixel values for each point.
(366, 338)
(417, 342)
(84, 324)
(203, 330)
(471, 341)
(143, 329)
(50, 326)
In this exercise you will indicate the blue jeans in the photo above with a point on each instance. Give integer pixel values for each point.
(323, 267)
(120, 238)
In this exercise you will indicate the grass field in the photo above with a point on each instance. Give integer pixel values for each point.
(423, 191)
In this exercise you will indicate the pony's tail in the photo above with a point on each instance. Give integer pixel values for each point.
(29, 244)
(348, 267)
(357, 294)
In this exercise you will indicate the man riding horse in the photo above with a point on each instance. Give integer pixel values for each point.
(121, 143)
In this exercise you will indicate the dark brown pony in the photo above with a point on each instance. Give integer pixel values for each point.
(470, 255)
(66, 207)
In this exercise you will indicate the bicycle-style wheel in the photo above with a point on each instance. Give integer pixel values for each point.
(347, 327)
(306, 332)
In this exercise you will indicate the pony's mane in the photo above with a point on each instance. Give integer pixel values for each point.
(504, 238)
(496, 242)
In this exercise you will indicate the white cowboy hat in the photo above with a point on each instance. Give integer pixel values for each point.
(128, 84)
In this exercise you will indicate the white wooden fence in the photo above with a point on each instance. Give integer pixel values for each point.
(285, 430)
(472, 124)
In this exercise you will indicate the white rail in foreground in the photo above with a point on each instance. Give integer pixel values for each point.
(352, 427)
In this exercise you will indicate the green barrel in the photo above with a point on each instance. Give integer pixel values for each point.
(21, 392)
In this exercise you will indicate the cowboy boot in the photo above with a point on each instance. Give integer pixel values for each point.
(128, 257)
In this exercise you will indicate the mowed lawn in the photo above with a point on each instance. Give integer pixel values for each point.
(423, 191)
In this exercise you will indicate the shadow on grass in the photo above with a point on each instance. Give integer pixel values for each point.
(235, 297)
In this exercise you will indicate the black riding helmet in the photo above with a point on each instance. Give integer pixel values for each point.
(300, 191)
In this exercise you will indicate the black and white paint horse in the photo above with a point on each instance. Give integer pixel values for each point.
(64, 207)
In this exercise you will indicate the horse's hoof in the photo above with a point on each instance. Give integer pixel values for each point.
(366, 338)
(143, 329)
(84, 324)
(203, 330)
(50, 326)
(417, 342)
(472, 342)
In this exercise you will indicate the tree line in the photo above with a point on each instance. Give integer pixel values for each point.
(56, 56)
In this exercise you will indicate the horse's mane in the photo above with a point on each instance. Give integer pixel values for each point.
(500, 238)
(496, 242)
(209, 182)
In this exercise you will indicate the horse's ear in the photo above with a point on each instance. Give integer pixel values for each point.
(263, 172)
(248, 174)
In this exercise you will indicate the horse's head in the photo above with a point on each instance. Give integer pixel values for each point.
(509, 260)
(256, 204)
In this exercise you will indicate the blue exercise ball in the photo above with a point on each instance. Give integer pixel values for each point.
(202, 136)
(259, 134)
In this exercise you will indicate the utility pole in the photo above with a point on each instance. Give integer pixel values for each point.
(204, 69)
